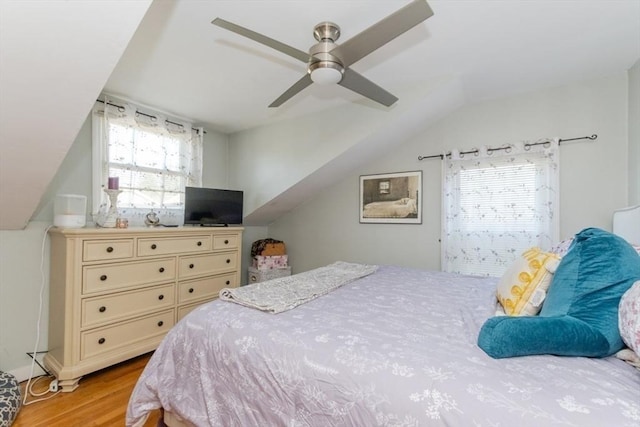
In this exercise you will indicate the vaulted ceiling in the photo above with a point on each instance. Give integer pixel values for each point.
(57, 56)
(180, 61)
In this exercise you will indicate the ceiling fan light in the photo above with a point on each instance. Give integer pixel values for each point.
(328, 73)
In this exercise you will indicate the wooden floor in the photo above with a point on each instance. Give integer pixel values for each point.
(101, 400)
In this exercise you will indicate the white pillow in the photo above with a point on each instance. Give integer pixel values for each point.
(562, 248)
(523, 288)
(629, 317)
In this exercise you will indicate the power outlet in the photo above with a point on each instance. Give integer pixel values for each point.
(53, 386)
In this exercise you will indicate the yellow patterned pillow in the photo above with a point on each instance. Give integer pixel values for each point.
(523, 287)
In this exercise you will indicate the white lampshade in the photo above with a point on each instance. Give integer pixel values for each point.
(326, 75)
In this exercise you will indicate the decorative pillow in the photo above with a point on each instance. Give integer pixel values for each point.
(563, 247)
(630, 357)
(10, 398)
(629, 318)
(523, 287)
(580, 314)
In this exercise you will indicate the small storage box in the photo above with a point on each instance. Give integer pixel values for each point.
(270, 262)
(254, 275)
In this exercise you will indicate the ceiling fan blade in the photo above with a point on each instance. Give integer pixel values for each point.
(293, 90)
(359, 84)
(267, 41)
(382, 32)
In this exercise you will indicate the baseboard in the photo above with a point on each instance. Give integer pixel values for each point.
(22, 373)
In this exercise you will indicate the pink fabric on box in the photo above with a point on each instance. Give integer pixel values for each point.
(270, 262)
(629, 317)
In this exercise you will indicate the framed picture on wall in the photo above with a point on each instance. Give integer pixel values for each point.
(394, 198)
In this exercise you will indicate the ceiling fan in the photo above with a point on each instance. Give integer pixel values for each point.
(329, 63)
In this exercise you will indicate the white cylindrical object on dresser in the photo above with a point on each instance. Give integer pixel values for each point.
(70, 211)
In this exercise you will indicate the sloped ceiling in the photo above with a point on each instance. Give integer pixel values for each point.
(182, 63)
(57, 56)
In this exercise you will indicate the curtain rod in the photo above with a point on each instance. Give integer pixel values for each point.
(121, 109)
(491, 150)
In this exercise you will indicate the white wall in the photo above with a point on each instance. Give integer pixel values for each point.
(20, 250)
(634, 134)
(593, 175)
(281, 163)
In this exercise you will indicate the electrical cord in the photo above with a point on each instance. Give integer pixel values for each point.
(35, 350)
(34, 394)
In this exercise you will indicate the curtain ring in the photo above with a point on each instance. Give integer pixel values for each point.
(507, 149)
(527, 147)
(121, 109)
(476, 152)
(489, 151)
(461, 155)
(546, 144)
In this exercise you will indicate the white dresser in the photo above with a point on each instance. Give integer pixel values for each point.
(115, 293)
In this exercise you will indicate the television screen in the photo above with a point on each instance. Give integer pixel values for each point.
(210, 206)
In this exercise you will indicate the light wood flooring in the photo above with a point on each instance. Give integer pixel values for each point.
(101, 400)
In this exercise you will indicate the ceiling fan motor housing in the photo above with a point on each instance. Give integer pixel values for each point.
(324, 67)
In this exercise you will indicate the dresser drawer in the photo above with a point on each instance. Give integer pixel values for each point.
(127, 275)
(226, 241)
(104, 309)
(125, 334)
(173, 245)
(207, 287)
(203, 265)
(101, 250)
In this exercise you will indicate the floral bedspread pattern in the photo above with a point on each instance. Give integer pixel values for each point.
(395, 348)
(285, 293)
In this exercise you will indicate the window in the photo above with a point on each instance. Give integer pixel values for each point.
(498, 205)
(154, 159)
(384, 187)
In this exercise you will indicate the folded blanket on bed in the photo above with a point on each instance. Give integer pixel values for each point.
(285, 293)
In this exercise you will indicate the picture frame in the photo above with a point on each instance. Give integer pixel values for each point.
(391, 198)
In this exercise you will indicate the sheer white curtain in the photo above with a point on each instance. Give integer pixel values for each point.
(153, 157)
(498, 203)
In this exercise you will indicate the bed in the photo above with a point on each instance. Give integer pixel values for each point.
(397, 347)
(402, 208)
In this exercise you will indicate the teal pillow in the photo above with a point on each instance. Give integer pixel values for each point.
(579, 316)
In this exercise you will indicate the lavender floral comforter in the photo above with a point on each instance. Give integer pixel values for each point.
(395, 348)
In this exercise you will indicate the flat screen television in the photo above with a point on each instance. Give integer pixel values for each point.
(212, 207)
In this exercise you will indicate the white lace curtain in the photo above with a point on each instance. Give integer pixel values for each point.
(498, 203)
(153, 156)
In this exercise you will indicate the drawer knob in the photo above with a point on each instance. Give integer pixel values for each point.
(102, 309)
(226, 242)
(154, 246)
(103, 277)
(101, 341)
(190, 290)
(228, 260)
(228, 282)
(160, 297)
(161, 270)
(110, 249)
(191, 265)
(160, 323)
(199, 243)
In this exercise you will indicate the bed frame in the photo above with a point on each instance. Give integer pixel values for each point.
(626, 223)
